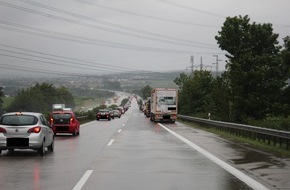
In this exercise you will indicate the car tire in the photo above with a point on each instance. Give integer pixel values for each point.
(41, 150)
(51, 147)
(0, 152)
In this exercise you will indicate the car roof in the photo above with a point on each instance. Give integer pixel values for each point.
(23, 113)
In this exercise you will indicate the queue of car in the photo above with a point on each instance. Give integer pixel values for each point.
(110, 113)
(31, 130)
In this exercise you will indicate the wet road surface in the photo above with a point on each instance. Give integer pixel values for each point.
(126, 153)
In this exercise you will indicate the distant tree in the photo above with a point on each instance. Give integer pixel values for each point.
(124, 101)
(196, 93)
(65, 97)
(255, 71)
(112, 85)
(146, 91)
(40, 98)
(179, 81)
(113, 106)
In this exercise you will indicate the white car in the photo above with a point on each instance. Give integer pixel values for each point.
(25, 130)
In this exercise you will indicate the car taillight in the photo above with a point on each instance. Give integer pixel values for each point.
(2, 130)
(34, 130)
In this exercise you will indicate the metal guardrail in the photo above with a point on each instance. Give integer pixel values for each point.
(81, 117)
(269, 135)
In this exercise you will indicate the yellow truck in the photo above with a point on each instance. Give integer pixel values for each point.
(164, 105)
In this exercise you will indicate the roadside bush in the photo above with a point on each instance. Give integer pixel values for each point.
(277, 123)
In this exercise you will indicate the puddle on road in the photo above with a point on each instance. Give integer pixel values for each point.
(262, 160)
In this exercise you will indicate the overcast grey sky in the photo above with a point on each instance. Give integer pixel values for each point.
(72, 37)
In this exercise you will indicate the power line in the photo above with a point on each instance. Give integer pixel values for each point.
(174, 40)
(86, 39)
(192, 9)
(123, 27)
(149, 16)
(83, 40)
(64, 37)
(206, 12)
(40, 61)
(52, 59)
(77, 61)
(39, 71)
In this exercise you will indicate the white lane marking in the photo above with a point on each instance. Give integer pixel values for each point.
(120, 130)
(240, 175)
(123, 125)
(111, 142)
(83, 180)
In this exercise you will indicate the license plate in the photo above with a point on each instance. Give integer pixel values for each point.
(17, 142)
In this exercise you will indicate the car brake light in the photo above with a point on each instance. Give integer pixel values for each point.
(34, 130)
(2, 130)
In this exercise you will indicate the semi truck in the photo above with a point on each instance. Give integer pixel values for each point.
(164, 105)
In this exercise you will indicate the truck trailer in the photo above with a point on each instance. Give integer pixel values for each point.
(164, 105)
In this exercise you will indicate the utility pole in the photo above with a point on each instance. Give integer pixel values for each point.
(192, 62)
(217, 63)
(201, 65)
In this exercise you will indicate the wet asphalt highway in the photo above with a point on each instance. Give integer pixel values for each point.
(130, 153)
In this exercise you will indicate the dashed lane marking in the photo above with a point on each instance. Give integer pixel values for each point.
(83, 180)
(111, 142)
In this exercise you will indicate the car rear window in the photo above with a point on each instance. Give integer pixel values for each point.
(103, 110)
(18, 120)
(61, 116)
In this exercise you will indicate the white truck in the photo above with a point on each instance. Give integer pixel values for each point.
(164, 105)
(58, 107)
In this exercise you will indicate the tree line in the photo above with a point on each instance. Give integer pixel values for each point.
(40, 98)
(254, 86)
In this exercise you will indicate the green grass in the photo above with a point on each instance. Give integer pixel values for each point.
(248, 142)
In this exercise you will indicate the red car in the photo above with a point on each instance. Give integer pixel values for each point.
(65, 121)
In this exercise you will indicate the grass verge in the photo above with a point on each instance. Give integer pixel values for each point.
(276, 150)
